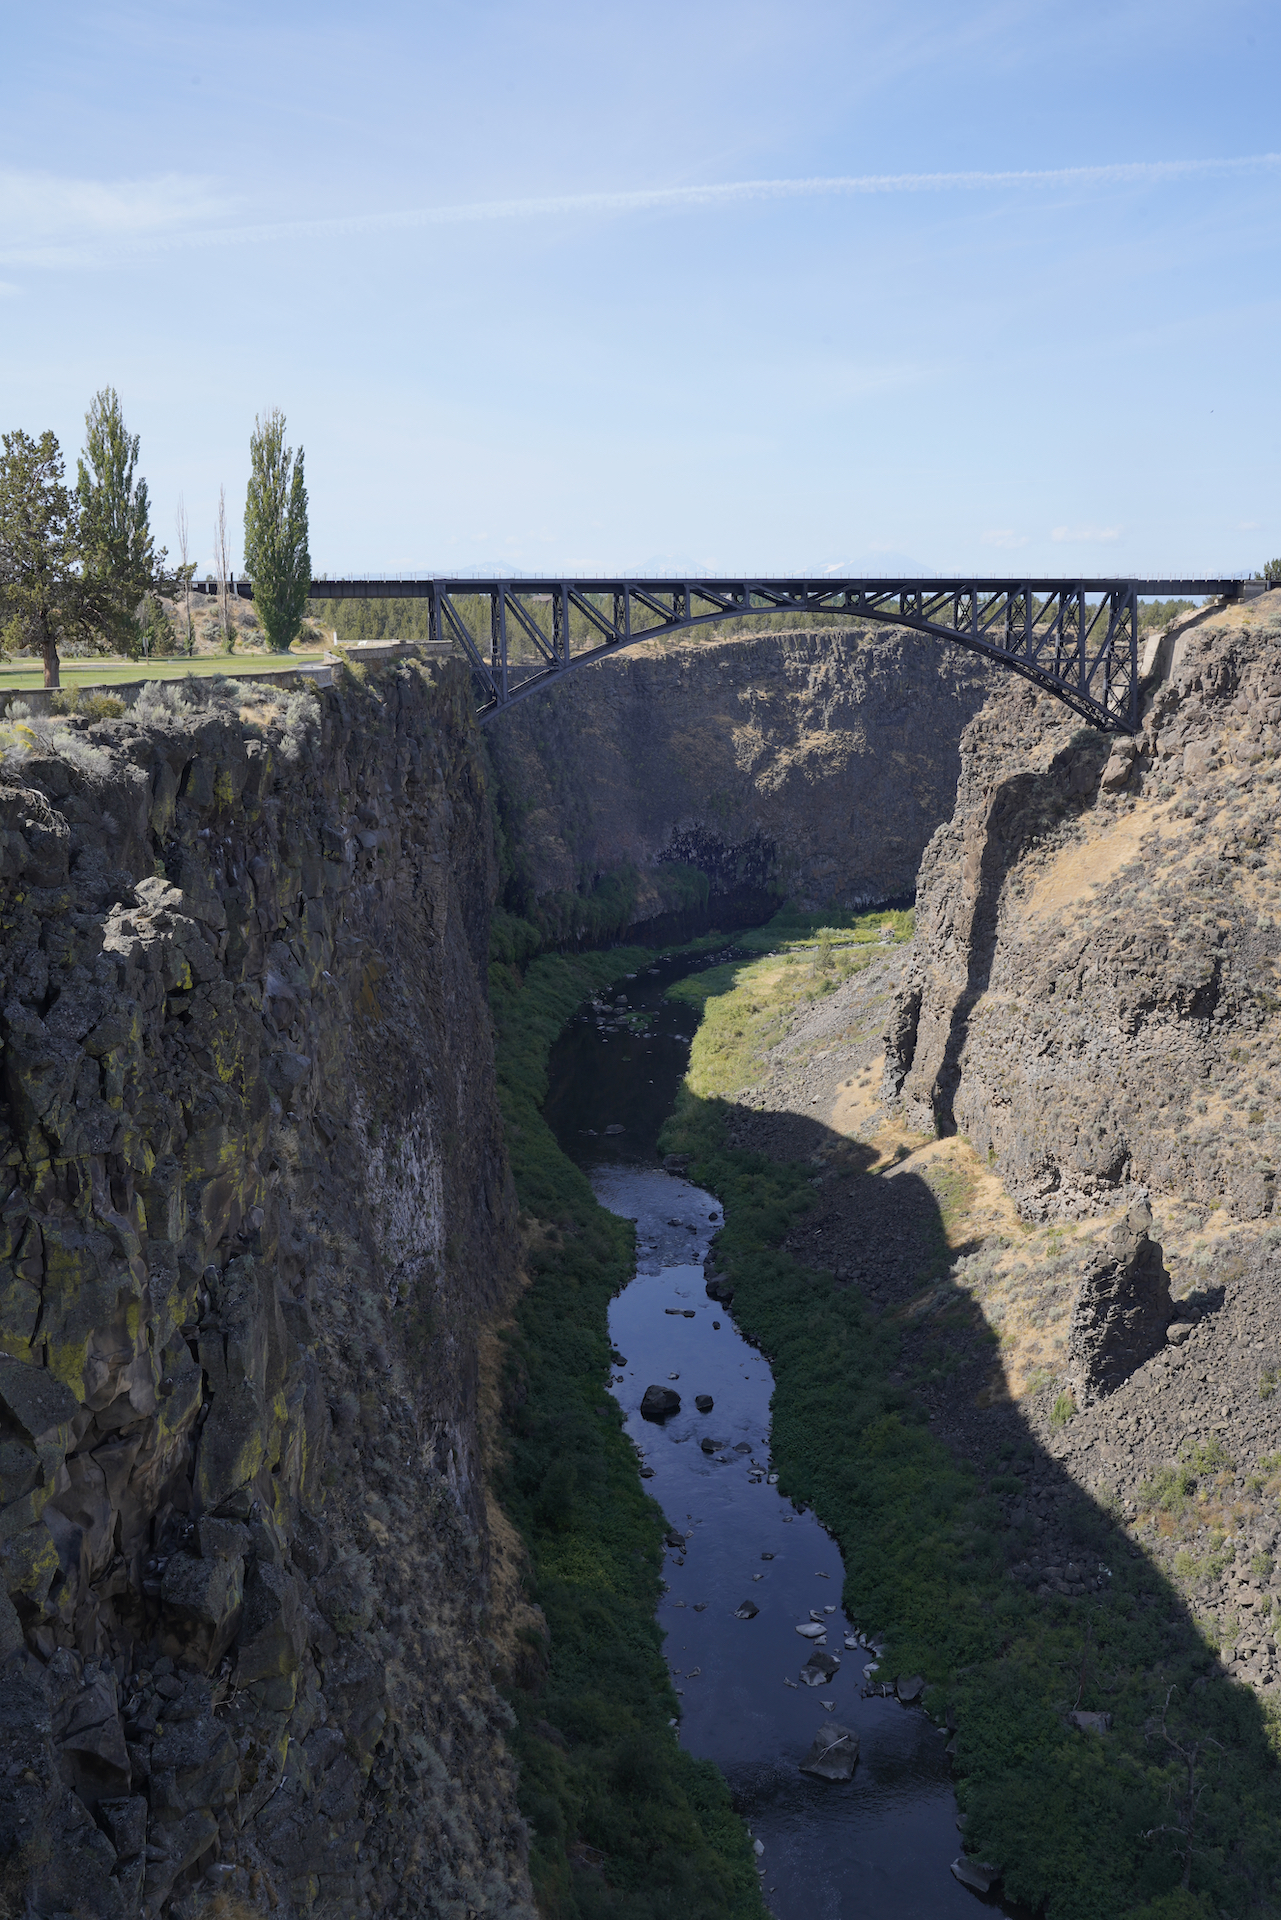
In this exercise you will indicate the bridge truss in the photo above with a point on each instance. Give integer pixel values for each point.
(1077, 639)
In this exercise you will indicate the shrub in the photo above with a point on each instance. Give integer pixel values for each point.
(88, 703)
(1206, 1456)
(160, 700)
(1062, 1411)
(1170, 1488)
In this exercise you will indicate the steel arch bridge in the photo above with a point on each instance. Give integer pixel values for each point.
(1078, 639)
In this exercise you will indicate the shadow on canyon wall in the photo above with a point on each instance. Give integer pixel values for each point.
(1014, 817)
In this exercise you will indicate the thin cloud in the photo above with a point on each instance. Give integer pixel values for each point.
(39, 207)
(1003, 537)
(53, 223)
(1085, 536)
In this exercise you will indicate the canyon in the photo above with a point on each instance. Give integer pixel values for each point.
(267, 1610)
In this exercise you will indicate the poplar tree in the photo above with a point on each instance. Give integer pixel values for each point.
(118, 556)
(41, 590)
(276, 556)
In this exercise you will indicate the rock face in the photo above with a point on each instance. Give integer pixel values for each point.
(815, 764)
(1121, 1312)
(255, 1212)
(1093, 999)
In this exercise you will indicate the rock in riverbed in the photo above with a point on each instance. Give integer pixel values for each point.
(704, 1402)
(819, 1668)
(747, 1611)
(812, 1630)
(976, 1874)
(834, 1754)
(908, 1687)
(659, 1402)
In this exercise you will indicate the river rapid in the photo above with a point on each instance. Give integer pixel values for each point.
(879, 1846)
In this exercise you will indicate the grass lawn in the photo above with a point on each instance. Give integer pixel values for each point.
(108, 670)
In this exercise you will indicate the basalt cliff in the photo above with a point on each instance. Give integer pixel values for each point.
(1092, 1013)
(256, 1213)
(1094, 995)
(812, 765)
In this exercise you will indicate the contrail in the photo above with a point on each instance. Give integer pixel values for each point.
(640, 200)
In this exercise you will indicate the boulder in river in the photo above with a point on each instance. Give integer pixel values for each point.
(908, 1687)
(834, 1754)
(704, 1402)
(747, 1611)
(720, 1290)
(975, 1874)
(819, 1668)
(812, 1630)
(709, 1446)
(659, 1402)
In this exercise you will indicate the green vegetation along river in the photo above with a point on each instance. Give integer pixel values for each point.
(1084, 1825)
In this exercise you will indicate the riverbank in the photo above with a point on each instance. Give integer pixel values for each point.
(624, 1825)
(873, 1268)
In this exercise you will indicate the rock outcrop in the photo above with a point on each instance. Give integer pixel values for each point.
(1094, 999)
(1121, 1311)
(255, 1211)
(812, 764)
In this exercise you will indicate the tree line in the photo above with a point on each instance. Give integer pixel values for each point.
(79, 565)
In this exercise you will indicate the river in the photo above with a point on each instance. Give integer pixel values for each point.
(877, 1847)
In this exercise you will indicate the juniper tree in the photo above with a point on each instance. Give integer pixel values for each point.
(276, 556)
(40, 585)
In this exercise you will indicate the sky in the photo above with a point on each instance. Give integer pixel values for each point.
(602, 288)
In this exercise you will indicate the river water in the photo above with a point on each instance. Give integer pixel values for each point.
(879, 1846)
